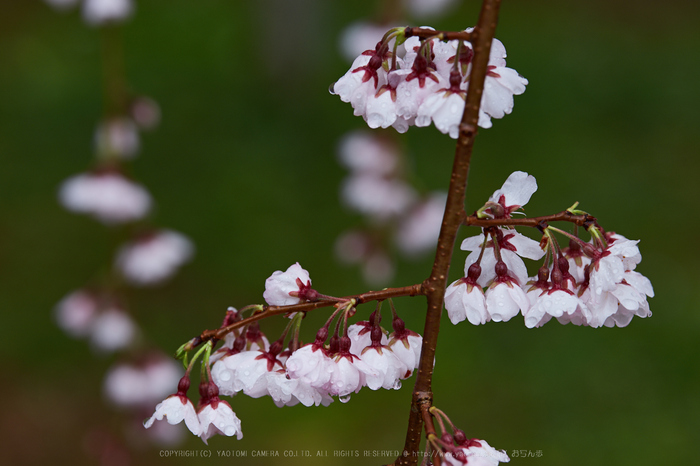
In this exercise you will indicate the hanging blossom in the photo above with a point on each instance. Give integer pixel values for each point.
(588, 283)
(425, 82)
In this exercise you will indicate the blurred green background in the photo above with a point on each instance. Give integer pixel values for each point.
(244, 163)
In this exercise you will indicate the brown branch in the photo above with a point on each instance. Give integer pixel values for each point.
(443, 35)
(435, 285)
(269, 311)
(536, 222)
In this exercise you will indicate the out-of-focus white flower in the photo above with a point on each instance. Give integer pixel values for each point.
(98, 12)
(419, 230)
(289, 287)
(145, 112)
(175, 409)
(363, 152)
(137, 385)
(117, 137)
(429, 8)
(76, 312)
(360, 36)
(154, 257)
(112, 330)
(109, 197)
(377, 197)
(378, 269)
(217, 417)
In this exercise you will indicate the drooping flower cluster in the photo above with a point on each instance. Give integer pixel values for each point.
(395, 213)
(361, 355)
(313, 374)
(425, 81)
(589, 283)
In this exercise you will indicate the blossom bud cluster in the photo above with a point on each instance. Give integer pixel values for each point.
(395, 212)
(425, 82)
(591, 284)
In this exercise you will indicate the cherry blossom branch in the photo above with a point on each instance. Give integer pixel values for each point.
(443, 35)
(435, 285)
(583, 220)
(269, 311)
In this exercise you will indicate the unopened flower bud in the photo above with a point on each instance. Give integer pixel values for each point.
(474, 271)
(459, 436)
(501, 268)
(183, 385)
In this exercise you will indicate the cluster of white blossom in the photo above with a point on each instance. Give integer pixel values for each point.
(425, 81)
(364, 356)
(396, 213)
(591, 284)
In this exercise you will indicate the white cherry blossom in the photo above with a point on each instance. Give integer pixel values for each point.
(175, 409)
(288, 287)
(465, 300)
(217, 417)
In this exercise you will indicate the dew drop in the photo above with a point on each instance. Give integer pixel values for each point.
(230, 430)
(246, 373)
(344, 398)
(331, 89)
(397, 385)
(225, 376)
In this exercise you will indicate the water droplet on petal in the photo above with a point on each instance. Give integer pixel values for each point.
(331, 89)
(225, 376)
(229, 430)
(397, 385)
(246, 373)
(344, 398)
